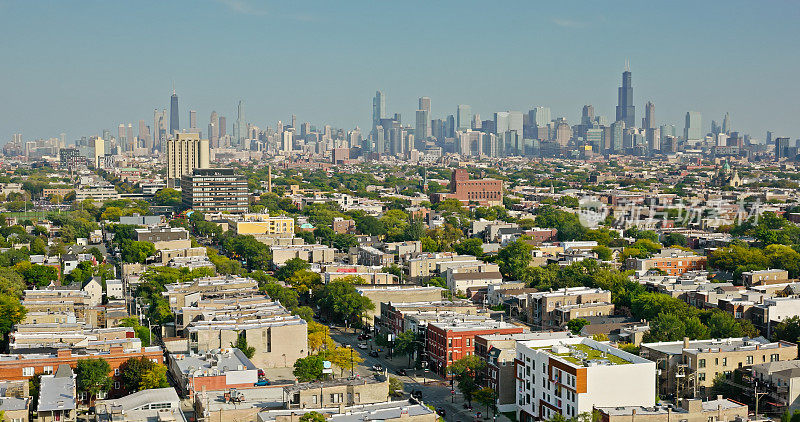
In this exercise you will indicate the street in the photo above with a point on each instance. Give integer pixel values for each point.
(436, 392)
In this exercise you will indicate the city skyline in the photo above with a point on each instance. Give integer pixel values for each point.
(755, 86)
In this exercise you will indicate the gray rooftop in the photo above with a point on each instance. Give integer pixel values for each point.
(224, 362)
(368, 412)
(57, 393)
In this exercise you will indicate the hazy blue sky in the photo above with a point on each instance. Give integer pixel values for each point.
(82, 66)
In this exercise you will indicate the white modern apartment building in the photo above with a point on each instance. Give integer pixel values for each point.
(571, 376)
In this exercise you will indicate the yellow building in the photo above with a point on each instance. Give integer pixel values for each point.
(261, 224)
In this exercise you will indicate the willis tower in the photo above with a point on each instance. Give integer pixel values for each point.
(625, 109)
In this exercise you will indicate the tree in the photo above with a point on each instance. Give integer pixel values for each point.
(11, 313)
(155, 377)
(308, 368)
(312, 416)
(576, 325)
(341, 301)
(319, 337)
(514, 258)
(406, 343)
(290, 267)
(135, 251)
(304, 281)
(345, 358)
(241, 344)
(465, 371)
(304, 312)
(395, 387)
(472, 246)
(674, 239)
(286, 296)
(167, 197)
(92, 377)
(487, 397)
(138, 374)
(603, 252)
(142, 332)
(787, 330)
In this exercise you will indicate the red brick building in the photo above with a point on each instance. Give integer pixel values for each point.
(23, 367)
(450, 340)
(484, 192)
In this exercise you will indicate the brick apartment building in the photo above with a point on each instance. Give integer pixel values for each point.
(485, 192)
(450, 340)
(671, 261)
(23, 367)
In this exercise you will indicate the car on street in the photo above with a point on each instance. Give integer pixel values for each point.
(377, 367)
(364, 336)
(374, 353)
(261, 382)
(401, 371)
(362, 345)
(441, 412)
(417, 394)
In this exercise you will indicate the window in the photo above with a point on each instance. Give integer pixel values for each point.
(749, 360)
(116, 371)
(774, 357)
(724, 361)
(701, 376)
(701, 363)
(314, 399)
(27, 371)
(48, 370)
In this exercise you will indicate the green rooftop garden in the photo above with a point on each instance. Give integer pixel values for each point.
(589, 352)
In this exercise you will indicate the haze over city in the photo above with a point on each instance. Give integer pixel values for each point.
(81, 67)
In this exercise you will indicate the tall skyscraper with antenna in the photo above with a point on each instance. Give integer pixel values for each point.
(174, 120)
(625, 109)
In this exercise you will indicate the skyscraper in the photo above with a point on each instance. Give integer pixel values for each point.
(463, 117)
(423, 125)
(213, 130)
(144, 134)
(617, 133)
(625, 109)
(378, 109)
(649, 120)
(239, 127)
(174, 122)
(540, 116)
(587, 115)
(222, 127)
(693, 129)
(726, 123)
(192, 120)
(186, 152)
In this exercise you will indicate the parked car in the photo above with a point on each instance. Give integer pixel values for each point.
(441, 412)
(374, 353)
(362, 345)
(262, 382)
(401, 371)
(377, 367)
(417, 394)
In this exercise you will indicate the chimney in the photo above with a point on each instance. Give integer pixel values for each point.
(686, 342)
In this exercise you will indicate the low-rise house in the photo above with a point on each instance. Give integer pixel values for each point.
(57, 396)
(688, 367)
(157, 404)
(394, 411)
(341, 391)
(221, 370)
(688, 410)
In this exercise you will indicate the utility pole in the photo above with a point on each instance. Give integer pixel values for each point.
(757, 394)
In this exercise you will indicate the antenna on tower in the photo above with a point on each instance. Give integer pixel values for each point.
(173, 87)
(627, 65)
